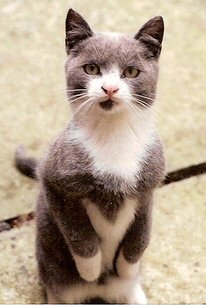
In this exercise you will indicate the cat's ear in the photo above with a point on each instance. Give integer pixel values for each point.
(151, 35)
(77, 29)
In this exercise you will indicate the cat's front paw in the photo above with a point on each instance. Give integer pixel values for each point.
(89, 268)
(126, 269)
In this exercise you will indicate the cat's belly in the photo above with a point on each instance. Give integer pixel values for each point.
(111, 232)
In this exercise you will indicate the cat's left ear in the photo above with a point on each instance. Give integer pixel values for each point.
(151, 35)
(77, 29)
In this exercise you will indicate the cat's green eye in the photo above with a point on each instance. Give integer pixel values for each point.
(92, 69)
(131, 72)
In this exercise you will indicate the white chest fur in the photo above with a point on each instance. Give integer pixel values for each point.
(118, 144)
(111, 233)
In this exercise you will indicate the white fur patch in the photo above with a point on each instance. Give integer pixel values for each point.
(113, 35)
(89, 268)
(117, 143)
(138, 296)
(116, 290)
(126, 269)
(111, 233)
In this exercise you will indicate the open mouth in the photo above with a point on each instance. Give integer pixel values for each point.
(107, 105)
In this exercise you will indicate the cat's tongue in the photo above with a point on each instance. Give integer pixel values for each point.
(107, 105)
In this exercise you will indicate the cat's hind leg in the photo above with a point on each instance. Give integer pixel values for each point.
(138, 296)
(123, 291)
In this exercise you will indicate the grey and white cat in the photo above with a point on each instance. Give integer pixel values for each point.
(97, 179)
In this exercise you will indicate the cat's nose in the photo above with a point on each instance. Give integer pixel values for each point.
(110, 90)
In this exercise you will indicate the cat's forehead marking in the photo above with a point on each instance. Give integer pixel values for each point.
(112, 35)
(113, 71)
(105, 49)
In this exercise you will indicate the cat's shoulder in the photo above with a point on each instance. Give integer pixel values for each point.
(64, 157)
(153, 166)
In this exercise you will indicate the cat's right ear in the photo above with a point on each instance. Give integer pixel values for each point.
(151, 35)
(77, 29)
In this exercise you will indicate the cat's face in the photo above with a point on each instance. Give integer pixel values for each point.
(111, 72)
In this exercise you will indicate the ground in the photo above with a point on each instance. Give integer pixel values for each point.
(33, 110)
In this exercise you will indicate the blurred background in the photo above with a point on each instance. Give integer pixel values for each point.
(33, 109)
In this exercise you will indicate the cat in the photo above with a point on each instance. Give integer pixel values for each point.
(97, 179)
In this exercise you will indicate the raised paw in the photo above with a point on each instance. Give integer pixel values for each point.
(89, 268)
(126, 269)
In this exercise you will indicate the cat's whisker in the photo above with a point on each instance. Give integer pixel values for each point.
(152, 108)
(134, 111)
(70, 100)
(137, 112)
(158, 113)
(149, 108)
(73, 90)
(141, 103)
(82, 96)
(81, 107)
(65, 89)
(77, 110)
(137, 101)
(84, 108)
(148, 98)
(136, 97)
(132, 87)
(76, 98)
(145, 97)
(87, 108)
(66, 99)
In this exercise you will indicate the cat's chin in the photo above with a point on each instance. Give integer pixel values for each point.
(110, 106)
(107, 105)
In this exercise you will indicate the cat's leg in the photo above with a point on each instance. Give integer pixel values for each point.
(135, 242)
(137, 297)
(89, 267)
(136, 239)
(123, 291)
(127, 269)
(79, 293)
(81, 238)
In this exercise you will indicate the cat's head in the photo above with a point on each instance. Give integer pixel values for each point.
(111, 72)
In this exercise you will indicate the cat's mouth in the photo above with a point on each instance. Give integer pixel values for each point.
(107, 105)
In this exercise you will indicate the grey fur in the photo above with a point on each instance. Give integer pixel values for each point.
(65, 173)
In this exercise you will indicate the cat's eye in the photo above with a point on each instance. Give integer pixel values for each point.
(92, 69)
(131, 72)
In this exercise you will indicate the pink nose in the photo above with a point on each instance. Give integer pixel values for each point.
(110, 90)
